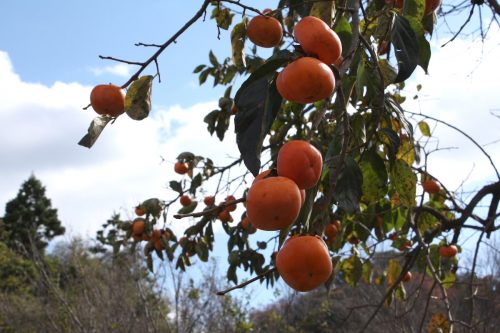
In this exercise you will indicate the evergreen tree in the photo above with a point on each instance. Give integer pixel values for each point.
(30, 221)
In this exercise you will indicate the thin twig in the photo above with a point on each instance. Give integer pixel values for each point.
(171, 40)
(210, 210)
(246, 283)
(464, 134)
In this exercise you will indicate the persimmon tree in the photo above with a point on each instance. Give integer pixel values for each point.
(373, 187)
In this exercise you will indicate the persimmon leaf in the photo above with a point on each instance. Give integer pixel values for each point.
(258, 105)
(405, 47)
(138, 98)
(95, 129)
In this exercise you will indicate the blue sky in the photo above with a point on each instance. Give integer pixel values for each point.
(49, 63)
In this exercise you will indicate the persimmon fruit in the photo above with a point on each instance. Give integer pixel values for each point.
(248, 226)
(330, 231)
(264, 174)
(185, 200)
(317, 39)
(265, 31)
(209, 200)
(181, 168)
(304, 262)
(301, 162)
(305, 80)
(448, 251)
(431, 186)
(225, 216)
(273, 203)
(139, 211)
(138, 226)
(108, 99)
(231, 207)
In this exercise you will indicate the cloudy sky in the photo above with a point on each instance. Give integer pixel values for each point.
(49, 64)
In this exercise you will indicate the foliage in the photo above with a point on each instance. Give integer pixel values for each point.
(374, 159)
(30, 221)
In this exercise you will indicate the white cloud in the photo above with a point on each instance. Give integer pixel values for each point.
(122, 70)
(41, 127)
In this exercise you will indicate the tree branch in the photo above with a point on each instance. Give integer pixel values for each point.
(246, 283)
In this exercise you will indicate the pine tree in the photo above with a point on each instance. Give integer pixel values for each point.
(30, 222)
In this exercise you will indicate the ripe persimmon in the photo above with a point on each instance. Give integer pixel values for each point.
(138, 226)
(330, 231)
(185, 200)
(431, 186)
(181, 168)
(232, 207)
(301, 162)
(448, 251)
(304, 262)
(209, 200)
(262, 175)
(431, 6)
(264, 31)
(305, 80)
(273, 203)
(248, 226)
(139, 211)
(318, 39)
(302, 196)
(108, 99)
(225, 216)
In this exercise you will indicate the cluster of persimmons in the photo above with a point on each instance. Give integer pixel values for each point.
(275, 198)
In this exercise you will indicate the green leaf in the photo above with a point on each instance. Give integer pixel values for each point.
(138, 98)
(391, 140)
(267, 69)
(199, 68)
(324, 10)
(231, 274)
(405, 47)
(195, 183)
(213, 59)
(189, 208)
(424, 128)
(367, 272)
(393, 272)
(404, 182)
(176, 186)
(202, 251)
(388, 72)
(238, 35)
(428, 22)
(374, 177)
(344, 30)
(222, 16)
(204, 75)
(258, 104)
(413, 8)
(348, 190)
(352, 268)
(406, 151)
(95, 129)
